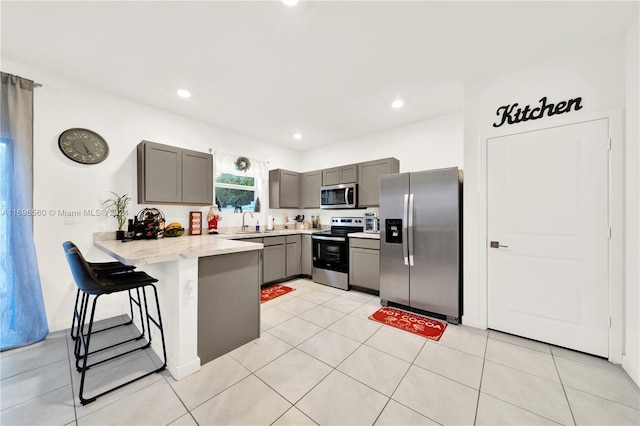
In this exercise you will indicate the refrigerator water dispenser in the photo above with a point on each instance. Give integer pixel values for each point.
(393, 231)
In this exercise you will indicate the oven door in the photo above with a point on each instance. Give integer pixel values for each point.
(338, 196)
(330, 253)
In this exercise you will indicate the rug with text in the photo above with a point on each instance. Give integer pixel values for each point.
(274, 291)
(416, 324)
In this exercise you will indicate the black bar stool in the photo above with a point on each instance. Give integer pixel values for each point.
(100, 268)
(93, 285)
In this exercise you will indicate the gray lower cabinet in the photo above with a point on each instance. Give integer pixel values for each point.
(283, 256)
(171, 175)
(274, 259)
(293, 255)
(306, 261)
(260, 241)
(228, 287)
(364, 263)
(369, 179)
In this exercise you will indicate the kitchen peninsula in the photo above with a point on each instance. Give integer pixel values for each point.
(198, 275)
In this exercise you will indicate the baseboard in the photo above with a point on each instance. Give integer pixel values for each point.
(473, 322)
(181, 371)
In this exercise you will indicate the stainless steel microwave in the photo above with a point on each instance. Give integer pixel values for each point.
(343, 196)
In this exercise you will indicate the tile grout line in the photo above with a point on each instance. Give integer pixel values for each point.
(73, 398)
(564, 391)
(181, 401)
(334, 369)
(484, 360)
(411, 364)
(294, 405)
(515, 369)
(624, 404)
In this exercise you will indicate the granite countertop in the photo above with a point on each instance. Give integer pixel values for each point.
(140, 252)
(369, 235)
(237, 234)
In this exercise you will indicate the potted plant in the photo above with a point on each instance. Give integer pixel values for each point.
(117, 207)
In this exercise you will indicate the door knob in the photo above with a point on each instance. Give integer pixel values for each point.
(496, 244)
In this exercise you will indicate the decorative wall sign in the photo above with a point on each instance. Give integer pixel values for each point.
(195, 223)
(511, 114)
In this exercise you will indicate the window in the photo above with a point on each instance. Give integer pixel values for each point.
(235, 192)
(238, 191)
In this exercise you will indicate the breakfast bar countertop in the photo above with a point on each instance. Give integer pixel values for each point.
(141, 252)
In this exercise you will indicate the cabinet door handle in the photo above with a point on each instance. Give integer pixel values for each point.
(496, 244)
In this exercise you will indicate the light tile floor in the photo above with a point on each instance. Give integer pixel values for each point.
(319, 360)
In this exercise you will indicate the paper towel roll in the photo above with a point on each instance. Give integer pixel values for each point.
(270, 222)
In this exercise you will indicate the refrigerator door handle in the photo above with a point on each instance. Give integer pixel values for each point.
(410, 230)
(405, 219)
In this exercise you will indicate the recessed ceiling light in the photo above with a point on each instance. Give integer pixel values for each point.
(184, 93)
(398, 103)
(297, 136)
(290, 2)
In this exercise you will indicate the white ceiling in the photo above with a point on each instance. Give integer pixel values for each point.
(328, 70)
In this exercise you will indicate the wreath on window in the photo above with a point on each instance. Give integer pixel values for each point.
(243, 164)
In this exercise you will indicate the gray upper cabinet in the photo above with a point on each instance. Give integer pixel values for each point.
(197, 177)
(369, 179)
(311, 184)
(338, 175)
(159, 173)
(171, 175)
(284, 189)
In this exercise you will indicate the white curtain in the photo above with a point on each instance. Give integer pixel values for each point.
(23, 319)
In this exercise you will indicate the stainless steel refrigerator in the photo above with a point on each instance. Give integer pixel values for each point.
(420, 241)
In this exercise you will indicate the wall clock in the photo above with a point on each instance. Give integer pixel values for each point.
(83, 146)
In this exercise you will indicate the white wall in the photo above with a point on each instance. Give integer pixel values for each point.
(427, 144)
(631, 359)
(597, 74)
(423, 145)
(62, 184)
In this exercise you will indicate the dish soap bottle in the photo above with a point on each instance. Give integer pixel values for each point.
(257, 226)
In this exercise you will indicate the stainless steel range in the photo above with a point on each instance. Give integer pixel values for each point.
(331, 252)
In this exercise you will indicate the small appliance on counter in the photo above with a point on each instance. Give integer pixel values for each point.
(371, 222)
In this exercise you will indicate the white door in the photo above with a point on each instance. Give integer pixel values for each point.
(547, 207)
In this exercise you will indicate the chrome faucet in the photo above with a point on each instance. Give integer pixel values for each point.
(244, 227)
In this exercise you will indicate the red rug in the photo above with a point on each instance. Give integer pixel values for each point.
(416, 324)
(274, 291)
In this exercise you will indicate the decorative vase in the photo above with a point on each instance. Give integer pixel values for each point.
(119, 235)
